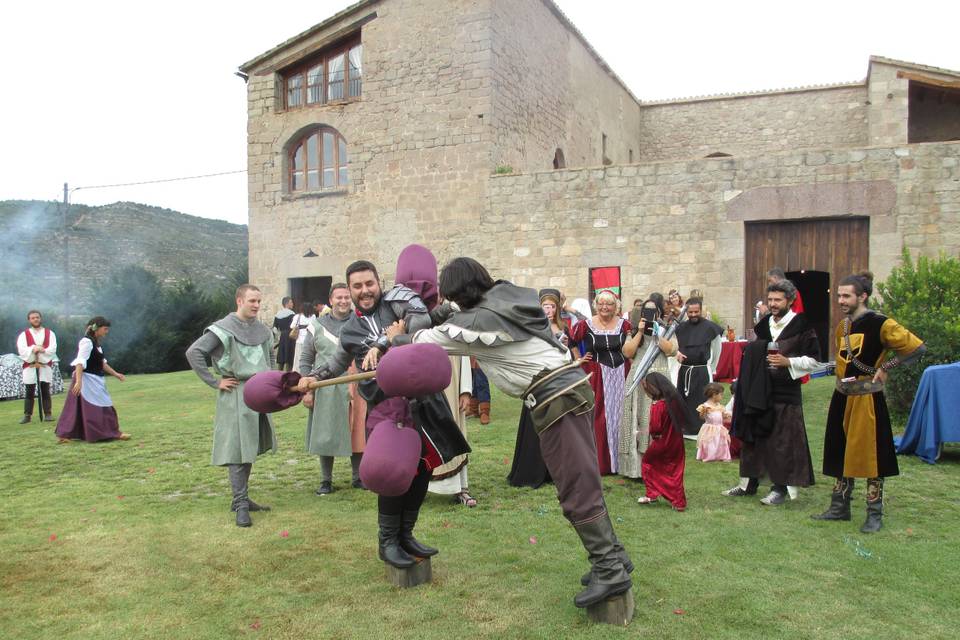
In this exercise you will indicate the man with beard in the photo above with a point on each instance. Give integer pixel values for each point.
(505, 329)
(698, 341)
(238, 346)
(336, 419)
(859, 441)
(37, 347)
(363, 341)
(768, 409)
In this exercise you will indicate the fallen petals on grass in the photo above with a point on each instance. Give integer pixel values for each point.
(506, 461)
(533, 539)
(255, 625)
(151, 470)
(284, 534)
(119, 497)
(679, 612)
(53, 537)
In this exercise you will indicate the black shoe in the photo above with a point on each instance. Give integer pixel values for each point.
(595, 593)
(410, 544)
(874, 518)
(389, 548)
(585, 578)
(254, 507)
(325, 488)
(243, 516)
(357, 484)
(24, 419)
(738, 492)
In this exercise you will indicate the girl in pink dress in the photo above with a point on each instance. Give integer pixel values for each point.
(713, 442)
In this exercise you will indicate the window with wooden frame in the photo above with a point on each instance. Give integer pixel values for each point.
(334, 74)
(318, 160)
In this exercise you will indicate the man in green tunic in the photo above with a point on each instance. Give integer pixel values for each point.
(329, 431)
(237, 346)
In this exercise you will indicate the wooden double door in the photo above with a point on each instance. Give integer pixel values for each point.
(816, 254)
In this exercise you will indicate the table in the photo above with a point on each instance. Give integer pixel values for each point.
(935, 416)
(728, 366)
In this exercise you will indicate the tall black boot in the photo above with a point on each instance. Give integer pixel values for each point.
(609, 576)
(839, 501)
(390, 550)
(410, 544)
(620, 552)
(874, 506)
(238, 483)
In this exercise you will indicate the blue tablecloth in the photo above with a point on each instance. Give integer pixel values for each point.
(935, 416)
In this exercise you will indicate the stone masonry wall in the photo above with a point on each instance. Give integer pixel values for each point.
(419, 154)
(669, 224)
(550, 92)
(755, 124)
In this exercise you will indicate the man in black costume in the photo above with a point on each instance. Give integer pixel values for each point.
(768, 405)
(505, 329)
(363, 341)
(698, 340)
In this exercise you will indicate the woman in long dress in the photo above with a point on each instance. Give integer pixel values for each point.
(528, 469)
(88, 412)
(603, 336)
(635, 427)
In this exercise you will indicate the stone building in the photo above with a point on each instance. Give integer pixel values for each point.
(492, 128)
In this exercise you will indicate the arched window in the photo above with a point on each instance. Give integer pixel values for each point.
(318, 160)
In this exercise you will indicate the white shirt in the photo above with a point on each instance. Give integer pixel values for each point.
(799, 365)
(27, 355)
(84, 349)
(510, 366)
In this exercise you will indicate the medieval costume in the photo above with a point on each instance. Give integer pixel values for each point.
(768, 407)
(442, 440)
(858, 441)
(665, 458)
(37, 368)
(510, 337)
(335, 423)
(90, 415)
(452, 479)
(609, 368)
(700, 343)
(237, 349)
(285, 345)
(634, 428)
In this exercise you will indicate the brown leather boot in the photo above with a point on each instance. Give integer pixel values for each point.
(484, 408)
(473, 410)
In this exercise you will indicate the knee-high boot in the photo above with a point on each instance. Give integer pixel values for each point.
(874, 506)
(253, 506)
(839, 501)
(412, 501)
(239, 475)
(609, 576)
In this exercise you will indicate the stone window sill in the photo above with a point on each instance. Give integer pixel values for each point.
(322, 193)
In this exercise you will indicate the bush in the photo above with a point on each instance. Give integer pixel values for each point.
(925, 298)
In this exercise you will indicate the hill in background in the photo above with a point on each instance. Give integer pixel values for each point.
(55, 263)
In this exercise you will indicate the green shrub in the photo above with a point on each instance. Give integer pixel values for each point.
(923, 296)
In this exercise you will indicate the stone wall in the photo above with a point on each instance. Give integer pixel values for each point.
(681, 224)
(753, 124)
(550, 92)
(418, 144)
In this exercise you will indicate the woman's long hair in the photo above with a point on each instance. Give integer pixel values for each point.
(92, 325)
(659, 387)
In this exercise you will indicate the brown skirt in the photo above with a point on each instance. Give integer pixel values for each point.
(784, 455)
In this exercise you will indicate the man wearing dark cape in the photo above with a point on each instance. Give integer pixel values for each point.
(768, 405)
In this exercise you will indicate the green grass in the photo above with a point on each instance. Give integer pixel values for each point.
(145, 546)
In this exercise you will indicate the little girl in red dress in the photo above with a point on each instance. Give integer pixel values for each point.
(663, 462)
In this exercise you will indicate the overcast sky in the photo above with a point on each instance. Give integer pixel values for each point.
(106, 92)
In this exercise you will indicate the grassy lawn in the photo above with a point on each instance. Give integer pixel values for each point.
(135, 540)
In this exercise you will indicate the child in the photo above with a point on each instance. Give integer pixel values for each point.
(713, 443)
(663, 461)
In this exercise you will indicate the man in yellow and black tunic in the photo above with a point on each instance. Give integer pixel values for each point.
(859, 441)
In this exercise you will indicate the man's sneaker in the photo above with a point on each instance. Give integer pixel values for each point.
(325, 488)
(738, 492)
(773, 498)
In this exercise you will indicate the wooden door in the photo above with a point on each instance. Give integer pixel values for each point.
(838, 246)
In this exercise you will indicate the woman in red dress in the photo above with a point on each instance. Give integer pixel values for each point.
(663, 462)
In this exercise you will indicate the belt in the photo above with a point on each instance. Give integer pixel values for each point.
(862, 387)
(553, 394)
